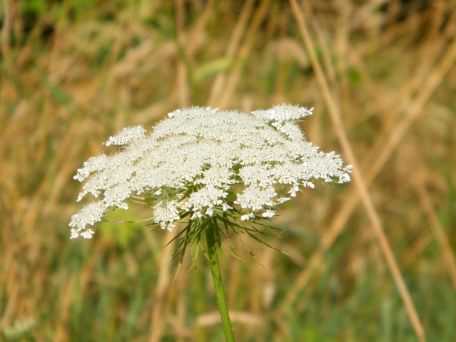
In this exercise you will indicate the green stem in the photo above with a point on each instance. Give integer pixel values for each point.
(213, 249)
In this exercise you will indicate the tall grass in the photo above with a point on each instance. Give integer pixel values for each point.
(73, 72)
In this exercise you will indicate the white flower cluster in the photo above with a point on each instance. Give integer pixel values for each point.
(204, 161)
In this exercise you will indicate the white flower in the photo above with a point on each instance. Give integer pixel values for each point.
(89, 166)
(226, 207)
(247, 217)
(204, 161)
(87, 234)
(166, 214)
(87, 216)
(255, 198)
(283, 113)
(127, 135)
(268, 213)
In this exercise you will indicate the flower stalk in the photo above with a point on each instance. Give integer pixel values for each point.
(213, 250)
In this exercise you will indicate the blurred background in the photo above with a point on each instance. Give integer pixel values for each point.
(73, 72)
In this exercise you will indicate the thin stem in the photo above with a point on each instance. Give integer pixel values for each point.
(213, 249)
(358, 178)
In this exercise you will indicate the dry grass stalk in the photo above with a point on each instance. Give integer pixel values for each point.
(160, 306)
(357, 176)
(383, 155)
(438, 231)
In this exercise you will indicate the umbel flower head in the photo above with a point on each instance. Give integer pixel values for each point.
(201, 163)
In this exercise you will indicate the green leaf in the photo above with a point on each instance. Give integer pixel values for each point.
(211, 69)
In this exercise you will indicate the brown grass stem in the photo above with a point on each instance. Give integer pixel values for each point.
(385, 151)
(357, 176)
